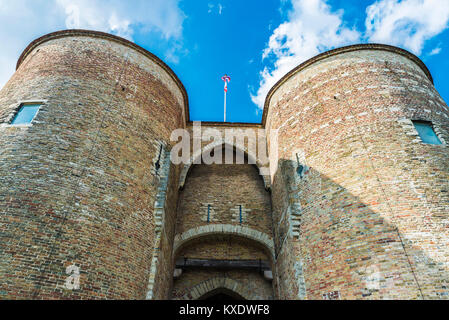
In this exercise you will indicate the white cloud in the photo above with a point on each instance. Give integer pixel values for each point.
(435, 51)
(24, 20)
(219, 8)
(312, 27)
(20, 23)
(121, 17)
(407, 23)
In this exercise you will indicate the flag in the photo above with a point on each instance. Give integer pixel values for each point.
(226, 79)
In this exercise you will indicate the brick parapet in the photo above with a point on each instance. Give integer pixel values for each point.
(165, 69)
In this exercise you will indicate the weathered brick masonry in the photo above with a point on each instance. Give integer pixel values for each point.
(79, 186)
(355, 206)
(216, 198)
(369, 217)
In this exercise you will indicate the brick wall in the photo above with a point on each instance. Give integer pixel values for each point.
(224, 195)
(223, 247)
(224, 188)
(248, 284)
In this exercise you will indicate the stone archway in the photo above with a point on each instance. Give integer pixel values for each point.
(201, 289)
(221, 294)
(251, 156)
(224, 229)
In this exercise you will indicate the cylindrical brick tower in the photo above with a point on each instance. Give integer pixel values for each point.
(78, 185)
(360, 201)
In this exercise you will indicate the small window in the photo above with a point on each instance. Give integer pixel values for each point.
(26, 114)
(240, 214)
(426, 132)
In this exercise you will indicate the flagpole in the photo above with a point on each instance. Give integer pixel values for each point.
(225, 106)
(226, 79)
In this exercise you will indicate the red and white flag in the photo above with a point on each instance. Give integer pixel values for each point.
(226, 79)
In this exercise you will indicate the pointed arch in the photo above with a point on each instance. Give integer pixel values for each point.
(252, 156)
(224, 291)
(199, 290)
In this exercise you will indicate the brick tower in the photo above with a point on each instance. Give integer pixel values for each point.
(365, 198)
(79, 184)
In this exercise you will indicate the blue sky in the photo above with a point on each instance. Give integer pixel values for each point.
(255, 42)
